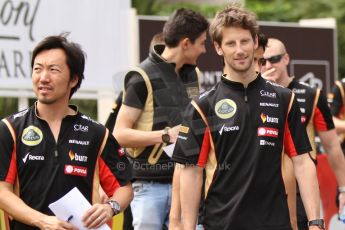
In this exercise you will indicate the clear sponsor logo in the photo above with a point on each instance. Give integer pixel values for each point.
(265, 118)
(30, 157)
(269, 143)
(228, 129)
(265, 93)
(32, 136)
(302, 100)
(264, 104)
(82, 128)
(268, 132)
(77, 157)
(225, 108)
(77, 142)
(75, 170)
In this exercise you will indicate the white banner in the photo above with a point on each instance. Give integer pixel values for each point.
(101, 27)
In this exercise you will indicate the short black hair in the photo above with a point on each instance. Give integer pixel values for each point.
(184, 23)
(75, 56)
(262, 41)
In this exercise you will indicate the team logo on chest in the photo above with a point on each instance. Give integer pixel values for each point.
(225, 108)
(32, 136)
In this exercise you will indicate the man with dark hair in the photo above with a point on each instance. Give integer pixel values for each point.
(259, 52)
(236, 132)
(155, 95)
(50, 148)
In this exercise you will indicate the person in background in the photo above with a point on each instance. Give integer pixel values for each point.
(316, 117)
(236, 132)
(155, 96)
(259, 52)
(51, 147)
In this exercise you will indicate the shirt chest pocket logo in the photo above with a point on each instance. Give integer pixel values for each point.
(225, 108)
(32, 136)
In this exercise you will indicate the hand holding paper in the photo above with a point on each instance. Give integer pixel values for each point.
(73, 204)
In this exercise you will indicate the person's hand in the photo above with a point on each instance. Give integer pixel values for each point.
(97, 215)
(173, 133)
(341, 198)
(53, 223)
(266, 74)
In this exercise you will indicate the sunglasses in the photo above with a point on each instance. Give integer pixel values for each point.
(272, 60)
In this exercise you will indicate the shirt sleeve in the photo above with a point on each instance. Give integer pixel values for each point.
(193, 142)
(296, 139)
(8, 169)
(136, 91)
(335, 101)
(115, 169)
(322, 115)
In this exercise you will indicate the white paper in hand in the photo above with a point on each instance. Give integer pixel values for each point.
(169, 149)
(73, 204)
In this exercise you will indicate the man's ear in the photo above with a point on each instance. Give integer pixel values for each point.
(218, 49)
(74, 81)
(185, 43)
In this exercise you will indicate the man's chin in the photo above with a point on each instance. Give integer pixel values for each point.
(45, 101)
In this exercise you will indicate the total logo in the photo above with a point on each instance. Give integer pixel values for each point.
(269, 143)
(303, 119)
(268, 132)
(121, 152)
(76, 157)
(228, 129)
(30, 157)
(265, 118)
(82, 128)
(75, 170)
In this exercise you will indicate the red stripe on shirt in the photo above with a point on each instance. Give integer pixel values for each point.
(108, 181)
(289, 145)
(205, 149)
(319, 121)
(12, 171)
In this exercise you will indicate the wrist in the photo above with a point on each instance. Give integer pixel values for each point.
(114, 206)
(166, 136)
(316, 224)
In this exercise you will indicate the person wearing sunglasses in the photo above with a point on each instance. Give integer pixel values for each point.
(316, 115)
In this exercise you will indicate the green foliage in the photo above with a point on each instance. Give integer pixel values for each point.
(87, 107)
(158, 7)
(8, 106)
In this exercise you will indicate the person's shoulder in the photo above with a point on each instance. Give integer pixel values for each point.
(16, 117)
(279, 89)
(91, 124)
(205, 96)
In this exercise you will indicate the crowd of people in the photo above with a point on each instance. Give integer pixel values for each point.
(243, 153)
